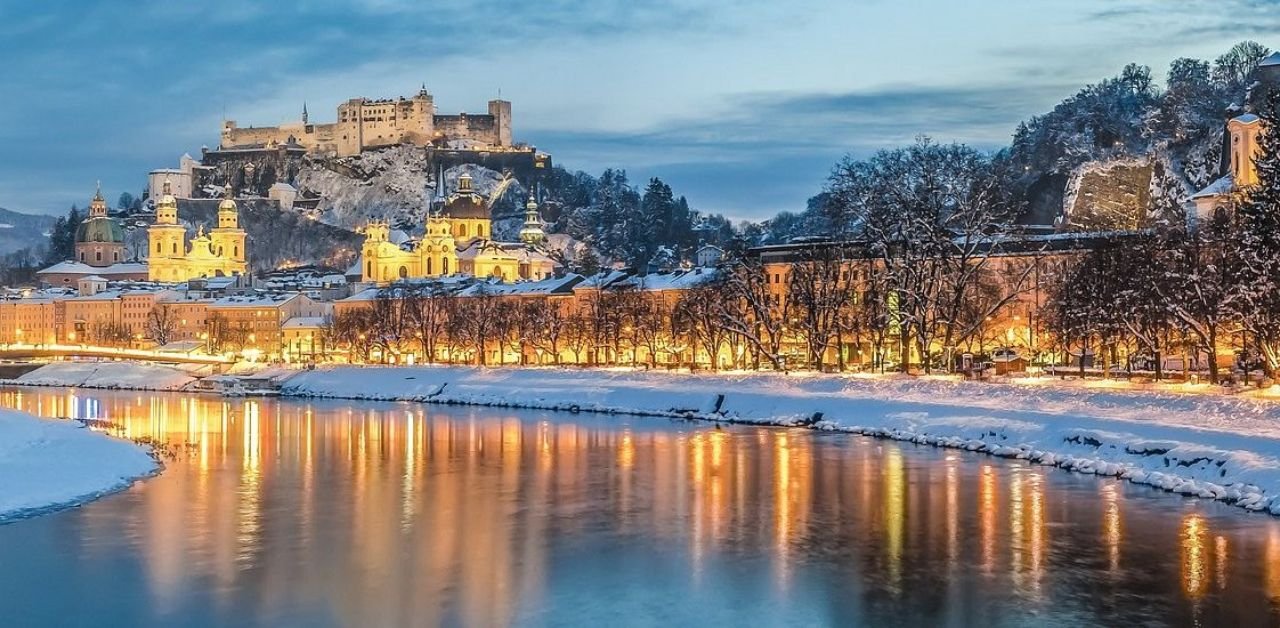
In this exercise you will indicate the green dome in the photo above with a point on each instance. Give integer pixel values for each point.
(100, 229)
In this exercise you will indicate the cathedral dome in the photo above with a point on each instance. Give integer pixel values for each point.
(467, 206)
(100, 229)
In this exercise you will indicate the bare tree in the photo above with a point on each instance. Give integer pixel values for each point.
(162, 321)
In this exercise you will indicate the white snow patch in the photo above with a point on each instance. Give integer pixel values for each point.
(50, 464)
(130, 375)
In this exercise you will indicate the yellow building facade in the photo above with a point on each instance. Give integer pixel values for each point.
(218, 253)
(456, 240)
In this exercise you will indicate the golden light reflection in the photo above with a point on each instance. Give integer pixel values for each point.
(1194, 541)
(987, 504)
(894, 514)
(1112, 530)
(422, 515)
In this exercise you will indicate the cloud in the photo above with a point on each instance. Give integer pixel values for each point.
(769, 152)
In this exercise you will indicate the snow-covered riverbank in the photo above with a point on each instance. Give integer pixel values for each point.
(126, 375)
(48, 464)
(1219, 447)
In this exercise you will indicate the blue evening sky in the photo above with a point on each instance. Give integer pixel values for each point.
(742, 105)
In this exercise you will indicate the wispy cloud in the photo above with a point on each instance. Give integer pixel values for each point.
(744, 104)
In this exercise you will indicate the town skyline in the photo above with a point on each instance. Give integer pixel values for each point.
(759, 138)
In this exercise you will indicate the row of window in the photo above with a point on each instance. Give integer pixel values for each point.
(97, 256)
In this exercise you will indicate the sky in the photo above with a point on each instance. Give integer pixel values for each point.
(743, 106)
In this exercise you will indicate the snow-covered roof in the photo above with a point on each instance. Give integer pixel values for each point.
(78, 268)
(93, 278)
(677, 280)
(1217, 188)
(553, 285)
(604, 278)
(1247, 118)
(283, 187)
(255, 300)
(1272, 60)
(304, 322)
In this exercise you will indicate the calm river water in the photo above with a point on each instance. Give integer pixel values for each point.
(318, 513)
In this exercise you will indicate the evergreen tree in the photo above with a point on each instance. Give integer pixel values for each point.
(657, 218)
(1258, 253)
(62, 236)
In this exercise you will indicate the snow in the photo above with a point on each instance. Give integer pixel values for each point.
(50, 464)
(1219, 187)
(128, 375)
(1218, 447)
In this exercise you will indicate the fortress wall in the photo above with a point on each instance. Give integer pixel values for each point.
(482, 128)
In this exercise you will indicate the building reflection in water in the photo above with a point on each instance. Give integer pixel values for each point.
(406, 514)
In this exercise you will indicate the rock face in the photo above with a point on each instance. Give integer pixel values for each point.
(1108, 196)
(394, 184)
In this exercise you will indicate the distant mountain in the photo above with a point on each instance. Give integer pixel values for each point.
(18, 231)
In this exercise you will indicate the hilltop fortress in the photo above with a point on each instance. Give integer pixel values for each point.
(363, 124)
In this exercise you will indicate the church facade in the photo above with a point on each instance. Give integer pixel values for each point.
(457, 239)
(218, 253)
(99, 238)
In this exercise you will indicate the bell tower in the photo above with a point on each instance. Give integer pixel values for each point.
(1243, 132)
(228, 239)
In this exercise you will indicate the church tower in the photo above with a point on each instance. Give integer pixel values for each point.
(531, 233)
(1243, 132)
(228, 239)
(438, 248)
(99, 239)
(166, 240)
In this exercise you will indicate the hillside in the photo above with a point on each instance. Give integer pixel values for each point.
(19, 231)
(396, 185)
(1122, 153)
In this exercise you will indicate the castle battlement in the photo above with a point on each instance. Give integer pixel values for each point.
(364, 123)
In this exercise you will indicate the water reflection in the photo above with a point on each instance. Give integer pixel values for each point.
(403, 514)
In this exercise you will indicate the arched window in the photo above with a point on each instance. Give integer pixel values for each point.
(369, 269)
(175, 248)
(444, 266)
(115, 257)
(97, 256)
(462, 230)
(235, 251)
(430, 268)
(497, 271)
(82, 256)
(480, 230)
(158, 249)
(404, 272)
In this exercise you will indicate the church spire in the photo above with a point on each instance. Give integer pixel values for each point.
(98, 206)
(532, 232)
(304, 112)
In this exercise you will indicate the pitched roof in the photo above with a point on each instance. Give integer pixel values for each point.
(1217, 188)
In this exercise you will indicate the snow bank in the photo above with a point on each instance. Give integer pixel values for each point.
(50, 464)
(130, 375)
(1225, 448)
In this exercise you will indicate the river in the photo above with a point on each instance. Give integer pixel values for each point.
(319, 513)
